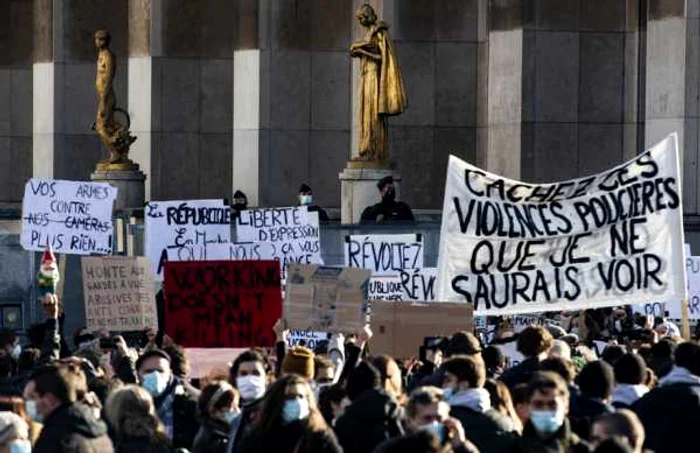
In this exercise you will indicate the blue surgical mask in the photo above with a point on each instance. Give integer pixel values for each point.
(295, 409)
(547, 422)
(436, 428)
(33, 412)
(155, 383)
(230, 416)
(305, 200)
(20, 446)
(447, 393)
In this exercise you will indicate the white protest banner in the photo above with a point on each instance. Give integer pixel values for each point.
(119, 293)
(72, 217)
(292, 232)
(511, 353)
(182, 230)
(672, 309)
(384, 254)
(306, 337)
(235, 251)
(414, 285)
(610, 239)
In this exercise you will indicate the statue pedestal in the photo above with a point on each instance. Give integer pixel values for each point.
(129, 185)
(358, 188)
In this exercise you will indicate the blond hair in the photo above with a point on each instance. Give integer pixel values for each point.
(131, 413)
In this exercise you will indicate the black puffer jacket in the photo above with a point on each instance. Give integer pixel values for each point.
(212, 437)
(72, 428)
(372, 418)
(490, 431)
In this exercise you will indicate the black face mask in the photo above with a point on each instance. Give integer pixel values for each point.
(390, 195)
(240, 206)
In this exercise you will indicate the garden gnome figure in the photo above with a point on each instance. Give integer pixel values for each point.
(48, 275)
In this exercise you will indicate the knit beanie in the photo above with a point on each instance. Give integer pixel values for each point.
(299, 360)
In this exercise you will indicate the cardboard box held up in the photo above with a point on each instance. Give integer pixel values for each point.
(329, 299)
(400, 327)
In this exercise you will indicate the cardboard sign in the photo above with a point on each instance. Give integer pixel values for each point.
(222, 304)
(399, 328)
(293, 234)
(511, 353)
(182, 230)
(416, 285)
(205, 362)
(119, 293)
(328, 299)
(384, 254)
(71, 217)
(614, 238)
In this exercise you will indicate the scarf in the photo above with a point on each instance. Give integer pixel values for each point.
(627, 394)
(679, 375)
(477, 400)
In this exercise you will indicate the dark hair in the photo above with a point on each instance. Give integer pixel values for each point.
(7, 337)
(630, 369)
(664, 349)
(330, 395)
(7, 365)
(151, 353)
(612, 353)
(534, 340)
(364, 377)
(305, 188)
(420, 442)
(178, 361)
(28, 359)
(493, 358)
(35, 334)
(423, 396)
(65, 381)
(564, 368)
(687, 355)
(226, 397)
(544, 381)
(624, 423)
(320, 363)
(597, 380)
(251, 355)
(381, 363)
(462, 343)
(270, 419)
(469, 369)
(387, 179)
(519, 394)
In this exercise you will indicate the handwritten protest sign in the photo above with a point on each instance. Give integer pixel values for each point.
(399, 328)
(182, 230)
(306, 337)
(672, 308)
(293, 234)
(613, 238)
(329, 299)
(69, 216)
(415, 285)
(240, 251)
(119, 293)
(510, 351)
(222, 304)
(384, 254)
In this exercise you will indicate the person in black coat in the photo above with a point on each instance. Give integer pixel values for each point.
(133, 422)
(374, 415)
(218, 406)
(671, 412)
(388, 210)
(306, 198)
(470, 403)
(533, 343)
(289, 422)
(596, 382)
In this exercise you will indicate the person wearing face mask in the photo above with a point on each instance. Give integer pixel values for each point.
(175, 399)
(240, 203)
(306, 198)
(52, 399)
(289, 422)
(14, 434)
(427, 411)
(388, 210)
(135, 427)
(547, 428)
(218, 407)
(250, 375)
(470, 403)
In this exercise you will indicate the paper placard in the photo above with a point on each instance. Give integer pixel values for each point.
(235, 251)
(182, 230)
(399, 327)
(614, 238)
(222, 304)
(71, 217)
(413, 285)
(329, 299)
(384, 254)
(293, 234)
(119, 293)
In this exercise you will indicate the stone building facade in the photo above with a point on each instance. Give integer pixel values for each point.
(259, 95)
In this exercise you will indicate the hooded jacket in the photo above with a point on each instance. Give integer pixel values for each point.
(671, 414)
(563, 441)
(72, 428)
(372, 418)
(487, 428)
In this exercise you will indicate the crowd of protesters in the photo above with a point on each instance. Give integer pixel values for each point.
(102, 395)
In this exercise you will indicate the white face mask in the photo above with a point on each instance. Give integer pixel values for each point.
(251, 387)
(305, 200)
(16, 351)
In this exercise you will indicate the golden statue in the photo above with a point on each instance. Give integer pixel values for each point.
(115, 136)
(381, 87)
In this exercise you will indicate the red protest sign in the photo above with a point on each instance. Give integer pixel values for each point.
(222, 304)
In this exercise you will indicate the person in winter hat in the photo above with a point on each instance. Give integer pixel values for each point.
(300, 361)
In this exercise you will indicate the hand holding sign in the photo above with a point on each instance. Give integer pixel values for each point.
(50, 304)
